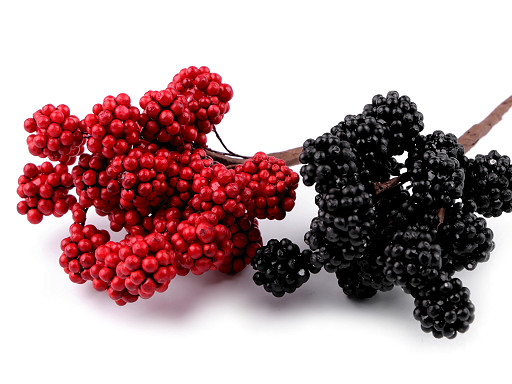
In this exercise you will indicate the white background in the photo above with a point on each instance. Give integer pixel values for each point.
(297, 68)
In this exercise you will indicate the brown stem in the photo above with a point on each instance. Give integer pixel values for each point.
(382, 187)
(290, 156)
(468, 140)
(477, 131)
(230, 153)
(227, 160)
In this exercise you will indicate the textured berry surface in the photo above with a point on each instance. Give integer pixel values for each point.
(444, 308)
(487, 187)
(272, 184)
(55, 134)
(344, 226)
(45, 191)
(415, 230)
(112, 126)
(465, 238)
(329, 162)
(401, 115)
(281, 267)
(149, 174)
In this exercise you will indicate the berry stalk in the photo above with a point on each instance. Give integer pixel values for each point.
(468, 140)
(477, 131)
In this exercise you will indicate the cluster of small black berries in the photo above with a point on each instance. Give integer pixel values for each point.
(415, 233)
(281, 267)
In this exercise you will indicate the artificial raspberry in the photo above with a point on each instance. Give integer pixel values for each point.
(437, 178)
(78, 249)
(444, 308)
(55, 134)
(488, 184)
(369, 137)
(329, 162)
(272, 184)
(141, 178)
(167, 119)
(136, 267)
(201, 242)
(95, 183)
(413, 257)
(221, 191)
(401, 115)
(364, 276)
(45, 191)
(436, 141)
(188, 171)
(344, 226)
(281, 267)
(207, 97)
(246, 239)
(357, 280)
(112, 126)
(465, 238)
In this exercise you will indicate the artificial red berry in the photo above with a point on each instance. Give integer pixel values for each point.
(45, 190)
(55, 134)
(272, 184)
(113, 126)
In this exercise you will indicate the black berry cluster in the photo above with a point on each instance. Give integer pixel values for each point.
(414, 230)
(281, 267)
(488, 187)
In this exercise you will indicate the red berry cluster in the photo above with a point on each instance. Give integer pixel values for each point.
(55, 134)
(273, 185)
(112, 127)
(45, 191)
(149, 173)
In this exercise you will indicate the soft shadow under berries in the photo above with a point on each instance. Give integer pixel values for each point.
(187, 208)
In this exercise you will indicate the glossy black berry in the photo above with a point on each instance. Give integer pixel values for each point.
(444, 308)
(413, 257)
(465, 238)
(281, 267)
(488, 184)
(402, 117)
(369, 137)
(437, 178)
(344, 225)
(329, 162)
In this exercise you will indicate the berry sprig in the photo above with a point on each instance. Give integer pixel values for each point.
(415, 230)
(151, 174)
(189, 209)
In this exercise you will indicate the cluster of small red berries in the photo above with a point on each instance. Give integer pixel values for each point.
(148, 172)
(55, 134)
(45, 191)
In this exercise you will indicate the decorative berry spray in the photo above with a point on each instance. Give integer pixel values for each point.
(415, 230)
(149, 172)
(188, 208)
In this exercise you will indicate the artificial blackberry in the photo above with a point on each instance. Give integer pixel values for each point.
(329, 161)
(344, 225)
(437, 178)
(444, 308)
(281, 267)
(437, 140)
(413, 257)
(369, 138)
(465, 239)
(364, 277)
(354, 282)
(401, 115)
(487, 186)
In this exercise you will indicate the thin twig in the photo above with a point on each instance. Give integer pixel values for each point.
(477, 131)
(226, 148)
(291, 156)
